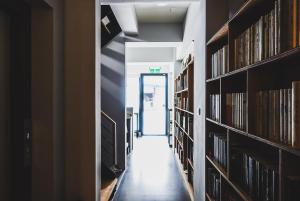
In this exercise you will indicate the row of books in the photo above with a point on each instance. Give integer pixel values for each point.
(214, 104)
(236, 110)
(273, 33)
(190, 154)
(219, 62)
(179, 134)
(277, 115)
(213, 184)
(187, 60)
(258, 179)
(185, 121)
(219, 147)
(181, 83)
(182, 102)
(274, 115)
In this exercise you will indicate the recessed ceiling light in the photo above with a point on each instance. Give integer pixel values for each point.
(162, 4)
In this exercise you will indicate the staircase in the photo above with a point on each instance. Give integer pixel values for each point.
(109, 170)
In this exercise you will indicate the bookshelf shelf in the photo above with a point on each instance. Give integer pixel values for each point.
(223, 173)
(285, 56)
(259, 139)
(178, 108)
(214, 79)
(249, 100)
(182, 129)
(222, 33)
(182, 91)
(184, 118)
(208, 197)
(191, 164)
(217, 166)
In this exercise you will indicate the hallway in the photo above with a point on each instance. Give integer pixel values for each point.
(152, 174)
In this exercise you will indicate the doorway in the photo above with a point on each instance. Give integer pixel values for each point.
(153, 104)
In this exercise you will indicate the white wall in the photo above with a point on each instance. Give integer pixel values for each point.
(153, 32)
(150, 54)
(195, 30)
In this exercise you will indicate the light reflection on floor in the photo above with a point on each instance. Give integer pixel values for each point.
(152, 174)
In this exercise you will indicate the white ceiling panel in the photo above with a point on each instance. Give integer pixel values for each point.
(161, 12)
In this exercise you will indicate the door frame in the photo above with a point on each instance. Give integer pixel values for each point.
(141, 108)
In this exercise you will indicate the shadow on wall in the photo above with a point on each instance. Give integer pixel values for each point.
(113, 89)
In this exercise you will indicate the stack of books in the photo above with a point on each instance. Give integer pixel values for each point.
(258, 179)
(214, 103)
(219, 62)
(275, 32)
(277, 115)
(236, 110)
(213, 184)
(219, 148)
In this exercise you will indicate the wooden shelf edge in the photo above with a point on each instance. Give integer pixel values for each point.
(181, 91)
(217, 166)
(282, 56)
(277, 145)
(178, 108)
(191, 164)
(213, 121)
(188, 186)
(178, 141)
(181, 127)
(213, 79)
(221, 33)
(241, 192)
(208, 197)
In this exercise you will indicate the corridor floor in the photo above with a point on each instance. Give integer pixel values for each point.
(152, 173)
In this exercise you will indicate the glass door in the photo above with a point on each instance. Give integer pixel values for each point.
(153, 104)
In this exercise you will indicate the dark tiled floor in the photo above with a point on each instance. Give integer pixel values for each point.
(152, 174)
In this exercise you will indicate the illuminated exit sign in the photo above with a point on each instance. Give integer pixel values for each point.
(154, 69)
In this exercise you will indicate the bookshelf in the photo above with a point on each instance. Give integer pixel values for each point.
(184, 117)
(252, 92)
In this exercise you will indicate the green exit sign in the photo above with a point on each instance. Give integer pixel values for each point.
(154, 69)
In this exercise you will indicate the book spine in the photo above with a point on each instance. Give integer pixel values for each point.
(294, 21)
(289, 117)
(279, 28)
(281, 115)
(296, 114)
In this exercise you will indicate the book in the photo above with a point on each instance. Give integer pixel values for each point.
(219, 62)
(259, 180)
(219, 148)
(296, 114)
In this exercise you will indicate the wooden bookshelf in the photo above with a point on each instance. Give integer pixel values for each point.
(184, 117)
(244, 143)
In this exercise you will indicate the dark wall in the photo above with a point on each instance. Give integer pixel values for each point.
(82, 106)
(5, 108)
(47, 33)
(113, 89)
(21, 95)
(216, 16)
(17, 74)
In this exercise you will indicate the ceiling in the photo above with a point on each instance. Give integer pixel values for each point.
(161, 12)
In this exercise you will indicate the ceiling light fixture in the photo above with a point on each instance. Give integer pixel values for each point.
(162, 4)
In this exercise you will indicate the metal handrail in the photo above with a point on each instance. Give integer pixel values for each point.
(106, 116)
